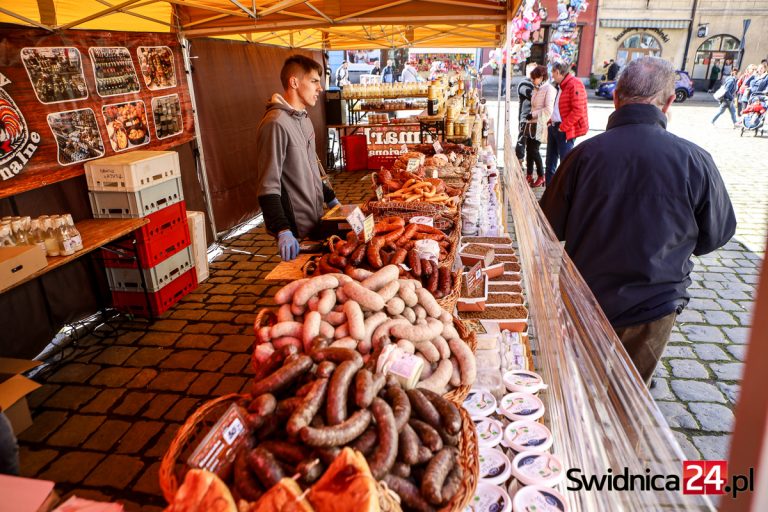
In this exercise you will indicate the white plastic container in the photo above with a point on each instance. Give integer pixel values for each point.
(521, 406)
(480, 404)
(489, 498)
(540, 499)
(495, 467)
(196, 221)
(534, 468)
(523, 380)
(131, 172)
(527, 435)
(490, 432)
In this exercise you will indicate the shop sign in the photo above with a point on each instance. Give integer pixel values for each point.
(663, 35)
(369, 227)
(17, 143)
(386, 143)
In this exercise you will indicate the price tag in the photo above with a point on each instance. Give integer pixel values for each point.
(368, 227)
(356, 220)
(379, 193)
(474, 277)
(438, 147)
(219, 447)
(404, 148)
(413, 165)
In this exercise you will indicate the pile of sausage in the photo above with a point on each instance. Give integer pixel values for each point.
(366, 316)
(392, 244)
(305, 408)
(404, 183)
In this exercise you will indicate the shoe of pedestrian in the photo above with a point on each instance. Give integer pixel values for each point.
(539, 182)
(529, 179)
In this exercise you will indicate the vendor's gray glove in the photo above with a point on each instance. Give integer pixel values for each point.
(288, 245)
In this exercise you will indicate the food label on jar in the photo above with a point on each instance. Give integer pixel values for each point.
(539, 466)
(520, 405)
(530, 435)
(480, 403)
(70, 244)
(489, 498)
(494, 464)
(489, 432)
(543, 501)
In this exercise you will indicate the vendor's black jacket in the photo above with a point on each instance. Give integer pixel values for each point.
(633, 204)
(524, 94)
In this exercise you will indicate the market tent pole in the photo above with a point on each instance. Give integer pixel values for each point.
(200, 157)
(749, 444)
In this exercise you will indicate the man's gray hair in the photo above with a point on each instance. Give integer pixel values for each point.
(646, 80)
(561, 67)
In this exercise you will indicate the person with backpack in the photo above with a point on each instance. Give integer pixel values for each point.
(388, 73)
(728, 90)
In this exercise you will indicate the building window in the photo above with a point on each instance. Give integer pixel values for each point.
(716, 52)
(637, 46)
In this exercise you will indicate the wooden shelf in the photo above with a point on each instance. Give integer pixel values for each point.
(95, 233)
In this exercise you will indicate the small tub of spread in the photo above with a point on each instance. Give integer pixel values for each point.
(540, 499)
(527, 435)
(490, 432)
(535, 468)
(495, 467)
(521, 406)
(523, 380)
(489, 498)
(480, 404)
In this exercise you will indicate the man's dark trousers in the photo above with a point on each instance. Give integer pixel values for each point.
(557, 147)
(645, 343)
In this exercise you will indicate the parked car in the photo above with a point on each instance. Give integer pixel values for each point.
(683, 88)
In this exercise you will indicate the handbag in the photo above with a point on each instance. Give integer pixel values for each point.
(720, 93)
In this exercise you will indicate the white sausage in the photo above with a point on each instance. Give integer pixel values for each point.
(313, 287)
(341, 331)
(456, 376)
(409, 315)
(389, 290)
(442, 346)
(311, 329)
(285, 294)
(382, 277)
(428, 350)
(427, 300)
(372, 323)
(336, 318)
(449, 332)
(262, 352)
(439, 379)
(407, 346)
(347, 342)
(287, 340)
(327, 301)
(360, 274)
(264, 333)
(395, 306)
(326, 330)
(366, 298)
(355, 320)
(284, 314)
(293, 329)
(417, 333)
(466, 360)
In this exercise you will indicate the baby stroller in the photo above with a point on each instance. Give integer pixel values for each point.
(753, 116)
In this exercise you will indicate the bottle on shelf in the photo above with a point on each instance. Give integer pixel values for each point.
(66, 247)
(18, 232)
(74, 233)
(36, 236)
(5, 236)
(51, 242)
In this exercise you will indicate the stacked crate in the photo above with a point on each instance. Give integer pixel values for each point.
(144, 184)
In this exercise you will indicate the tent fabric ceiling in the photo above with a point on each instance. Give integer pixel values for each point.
(312, 24)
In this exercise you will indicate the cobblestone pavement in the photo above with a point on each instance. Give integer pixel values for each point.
(109, 406)
(697, 382)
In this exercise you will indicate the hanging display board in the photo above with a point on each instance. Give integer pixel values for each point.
(78, 95)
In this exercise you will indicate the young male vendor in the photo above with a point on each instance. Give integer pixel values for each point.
(291, 192)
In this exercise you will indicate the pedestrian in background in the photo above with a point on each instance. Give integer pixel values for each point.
(745, 80)
(388, 73)
(632, 205)
(542, 105)
(760, 84)
(728, 94)
(409, 73)
(569, 118)
(524, 93)
(714, 74)
(342, 74)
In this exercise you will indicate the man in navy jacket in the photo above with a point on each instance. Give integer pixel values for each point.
(633, 204)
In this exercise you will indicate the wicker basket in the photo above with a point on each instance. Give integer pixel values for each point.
(449, 301)
(469, 459)
(173, 466)
(457, 395)
(444, 217)
(265, 317)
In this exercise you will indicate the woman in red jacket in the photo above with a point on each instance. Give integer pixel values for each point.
(569, 120)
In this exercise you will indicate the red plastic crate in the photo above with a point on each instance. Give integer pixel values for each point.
(156, 303)
(166, 234)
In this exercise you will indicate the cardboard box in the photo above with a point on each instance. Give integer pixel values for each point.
(26, 494)
(14, 389)
(18, 263)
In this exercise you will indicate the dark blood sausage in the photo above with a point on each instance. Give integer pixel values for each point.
(337, 435)
(273, 362)
(425, 454)
(283, 377)
(291, 453)
(264, 466)
(436, 473)
(310, 470)
(319, 342)
(424, 408)
(245, 484)
(444, 280)
(363, 389)
(408, 445)
(325, 369)
(408, 492)
(449, 439)
(450, 418)
(452, 484)
(366, 442)
(400, 469)
(263, 404)
(309, 406)
(428, 435)
(338, 390)
(337, 355)
(401, 405)
(328, 454)
(432, 281)
(384, 455)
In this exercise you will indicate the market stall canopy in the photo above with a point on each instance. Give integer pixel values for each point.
(315, 24)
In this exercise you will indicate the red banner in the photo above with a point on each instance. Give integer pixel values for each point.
(75, 96)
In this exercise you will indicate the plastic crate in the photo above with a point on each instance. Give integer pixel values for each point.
(130, 205)
(129, 279)
(131, 172)
(166, 234)
(199, 244)
(155, 304)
